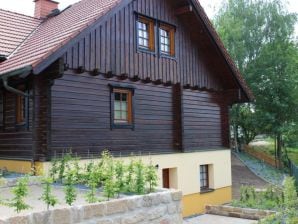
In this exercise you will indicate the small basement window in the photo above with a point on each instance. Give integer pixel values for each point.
(122, 111)
(167, 40)
(204, 177)
(145, 33)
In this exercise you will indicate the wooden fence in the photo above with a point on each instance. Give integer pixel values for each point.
(270, 160)
(294, 171)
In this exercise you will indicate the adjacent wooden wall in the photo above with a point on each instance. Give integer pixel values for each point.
(202, 121)
(15, 141)
(81, 117)
(111, 47)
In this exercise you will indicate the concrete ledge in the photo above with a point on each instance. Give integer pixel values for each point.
(244, 213)
(161, 207)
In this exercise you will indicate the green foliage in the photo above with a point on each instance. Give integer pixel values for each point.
(47, 195)
(69, 189)
(119, 175)
(109, 183)
(259, 35)
(140, 177)
(288, 207)
(92, 184)
(130, 176)
(20, 192)
(151, 177)
(268, 199)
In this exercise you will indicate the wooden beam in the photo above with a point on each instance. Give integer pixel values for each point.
(109, 75)
(135, 78)
(95, 72)
(123, 77)
(183, 10)
(147, 80)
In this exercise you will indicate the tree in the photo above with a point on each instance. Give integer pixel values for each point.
(259, 36)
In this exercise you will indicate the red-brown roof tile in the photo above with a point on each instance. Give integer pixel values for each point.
(14, 29)
(53, 33)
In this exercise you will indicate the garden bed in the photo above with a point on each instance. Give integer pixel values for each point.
(71, 183)
(160, 207)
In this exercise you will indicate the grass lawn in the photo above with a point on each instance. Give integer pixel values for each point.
(267, 146)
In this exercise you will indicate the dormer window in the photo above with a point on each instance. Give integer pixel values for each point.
(145, 32)
(167, 40)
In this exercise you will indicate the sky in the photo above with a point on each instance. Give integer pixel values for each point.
(27, 6)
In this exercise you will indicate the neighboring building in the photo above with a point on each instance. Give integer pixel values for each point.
(147, 77)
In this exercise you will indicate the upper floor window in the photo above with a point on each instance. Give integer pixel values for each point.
(145, 32)
(167, 40)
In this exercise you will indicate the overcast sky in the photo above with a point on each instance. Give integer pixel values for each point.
(27, 6)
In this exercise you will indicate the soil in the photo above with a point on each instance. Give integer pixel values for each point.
(242, 175)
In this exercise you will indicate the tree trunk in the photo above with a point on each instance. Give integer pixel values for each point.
(279, 149)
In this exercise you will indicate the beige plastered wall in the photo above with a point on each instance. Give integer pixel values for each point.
(185, 168)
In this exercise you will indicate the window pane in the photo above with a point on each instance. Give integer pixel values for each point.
(124, 97)
(124, 106)
(146, 43)
(117, 105)
(124, 115)
(117, 115)
(117, 96)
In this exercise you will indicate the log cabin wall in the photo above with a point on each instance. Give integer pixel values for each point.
(205, 121)
(15, 140)
(81, 117)
(111, 47)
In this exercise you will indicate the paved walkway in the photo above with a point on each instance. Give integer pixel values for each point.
(215, 219)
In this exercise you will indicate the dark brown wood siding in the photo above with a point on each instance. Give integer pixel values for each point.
(202, 121)
(15, 141)
(111, 47)
(81, 117)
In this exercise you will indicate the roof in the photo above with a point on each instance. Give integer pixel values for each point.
(53, 33)
(14, 29)
(37, 40)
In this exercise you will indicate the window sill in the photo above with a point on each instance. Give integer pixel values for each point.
(168, 56)
(122, 126)
(205, 191)
(143, 50)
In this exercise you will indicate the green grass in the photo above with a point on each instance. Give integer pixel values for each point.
(269, 149)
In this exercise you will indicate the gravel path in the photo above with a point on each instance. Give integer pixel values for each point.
(216, 219)
(241, 175)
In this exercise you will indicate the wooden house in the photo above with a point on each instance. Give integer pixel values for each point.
(148, 77)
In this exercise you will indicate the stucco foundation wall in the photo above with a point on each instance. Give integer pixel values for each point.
(157, 208)
(187, 165)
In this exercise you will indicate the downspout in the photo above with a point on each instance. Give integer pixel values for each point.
(11, 89)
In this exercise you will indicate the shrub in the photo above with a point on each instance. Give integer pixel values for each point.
(47, 195)
(119, 175)
(69, 189)
(20, 191)
(151, 177)
(140, 177)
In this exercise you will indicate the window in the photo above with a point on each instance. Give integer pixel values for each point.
(20, 109)
(204, 177)
(167, 40)
(121, 106)
(145, 32)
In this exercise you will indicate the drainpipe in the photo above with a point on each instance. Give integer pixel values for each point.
(23, 72)
(11, 89)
